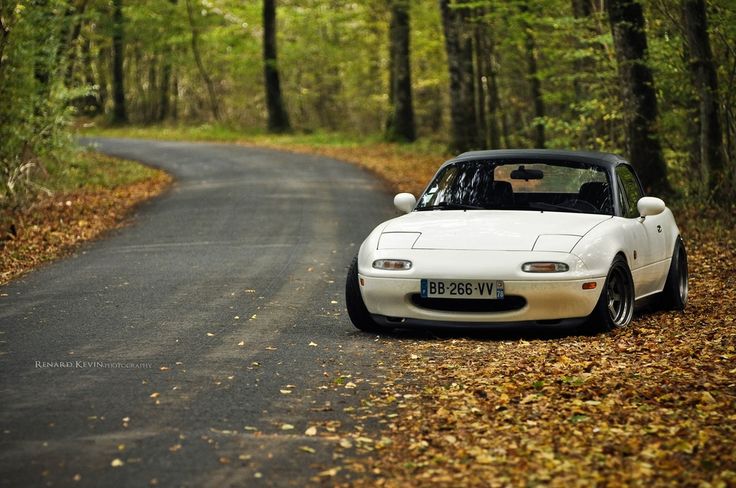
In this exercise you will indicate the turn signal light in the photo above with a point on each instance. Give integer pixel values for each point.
(590, 285)
(392, 264)
(544, 267)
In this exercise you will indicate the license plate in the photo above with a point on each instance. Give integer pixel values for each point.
(489, 290)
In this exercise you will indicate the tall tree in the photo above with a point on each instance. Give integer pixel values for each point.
(278, 119)
(535, 84)
(119, 113)
(703, 72)
(400, 126)
(645, 152)
(464, 133)
(481, 77)
(69, 42)
(165, 88)
(214, 105)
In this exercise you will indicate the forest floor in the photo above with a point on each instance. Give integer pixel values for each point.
(652, 404)
(85, 196)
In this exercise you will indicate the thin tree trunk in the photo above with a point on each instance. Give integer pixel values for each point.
(645, 152)
(481, 78)
(494, 101)
(7, 22)
(458, 44)
(703, 72)
(103, 55)
(78, 12)
(535, 85)
(536, 90)
(164, 95)
(581, 9)
(119, 114)
(152, 107)
(90, 102)
(175, 101)
(278, 119)
(401, 123)
(200, 65)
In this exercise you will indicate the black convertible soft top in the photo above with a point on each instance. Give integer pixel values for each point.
(604, 160)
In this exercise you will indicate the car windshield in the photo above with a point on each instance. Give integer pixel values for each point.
(518, 185)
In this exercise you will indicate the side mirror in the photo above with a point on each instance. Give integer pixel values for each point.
(405, 202)
(650, 206)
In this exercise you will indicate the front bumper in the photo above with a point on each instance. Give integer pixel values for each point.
(548, 300)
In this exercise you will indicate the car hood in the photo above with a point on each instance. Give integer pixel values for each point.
(492, 230)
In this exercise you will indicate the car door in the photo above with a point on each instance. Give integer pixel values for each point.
(645, 235)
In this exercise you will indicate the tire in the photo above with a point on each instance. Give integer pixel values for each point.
(615, 307)
(675, 292)
(359, 315)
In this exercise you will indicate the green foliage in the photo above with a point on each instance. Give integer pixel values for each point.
(333, 60)
(92, 171)
(33, 111)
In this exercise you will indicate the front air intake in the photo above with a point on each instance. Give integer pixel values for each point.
(508, 304)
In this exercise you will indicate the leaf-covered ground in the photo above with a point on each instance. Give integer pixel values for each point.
(653, 404)
(94, 195)
(650, 404)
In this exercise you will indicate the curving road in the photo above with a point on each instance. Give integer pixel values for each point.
(225, 291)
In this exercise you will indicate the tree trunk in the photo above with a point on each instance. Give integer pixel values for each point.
(494, 101)
(165, 88)
(103, 55)
(70, 43)
(200, 65)
(481, 79)
(536, 89)
(535, 86)
(163, 95)
(400, 126)
(90, 103)
(459, 48)
(7, 21)
(703, 72)
(645, 152)
(582, 8)
(152, 98)
(119, 114)
(278, 119)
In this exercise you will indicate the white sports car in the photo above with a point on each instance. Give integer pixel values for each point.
(520, 236)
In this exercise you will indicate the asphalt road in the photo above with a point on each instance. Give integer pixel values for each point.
(223, 292)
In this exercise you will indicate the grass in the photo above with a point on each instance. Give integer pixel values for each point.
(219, 133)
(93, 171)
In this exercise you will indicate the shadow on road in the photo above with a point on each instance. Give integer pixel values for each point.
(506, 332)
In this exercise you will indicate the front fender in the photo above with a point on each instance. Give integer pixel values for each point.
(598, 247)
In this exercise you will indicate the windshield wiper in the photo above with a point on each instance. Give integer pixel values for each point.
(450, 206)
(552, 207)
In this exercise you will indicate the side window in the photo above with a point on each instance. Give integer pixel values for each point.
(629, 191)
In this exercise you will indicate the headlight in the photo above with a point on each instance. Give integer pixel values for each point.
(544, 267)
(392, 264)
